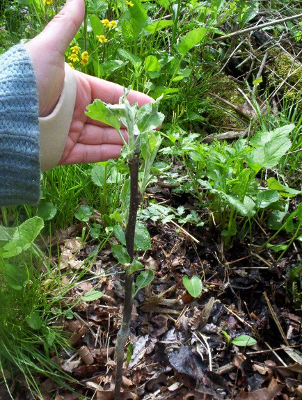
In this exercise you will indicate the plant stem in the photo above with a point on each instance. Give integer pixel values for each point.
(128, 301)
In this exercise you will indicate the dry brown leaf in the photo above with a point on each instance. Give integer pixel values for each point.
(268, 393)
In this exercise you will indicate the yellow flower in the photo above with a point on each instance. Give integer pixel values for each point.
(105, 22)
(130, 3)
(70, 64)
(112, 24)
(75, 49)
(73, 57)
(48, 2)
(102, 38)
(84, 58)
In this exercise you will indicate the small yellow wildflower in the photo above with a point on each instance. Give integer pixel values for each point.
(73, 57)
(102, 38)
(105, 22)
(70, 64)
(112, 24)
(48, 2)
(84, 58)
(75, 49)
(130, 3)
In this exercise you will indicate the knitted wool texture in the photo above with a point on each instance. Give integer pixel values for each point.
(19, 129)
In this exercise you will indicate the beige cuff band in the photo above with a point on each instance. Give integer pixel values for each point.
(55, 127)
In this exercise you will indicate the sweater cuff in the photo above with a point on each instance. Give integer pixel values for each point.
(55, 127)
(19, 129)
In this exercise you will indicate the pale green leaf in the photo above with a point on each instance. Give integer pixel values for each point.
(191, 39)
(98, 111)
(83, 214)
(266, 197)
(144, 279)
(261, 138)
(142, 240)
(133, 58)
(243, 341)
(193, 285)
(46, 210)
(148, 117)
(23, 237)
(120, 253)
(34, 320)
(283, 190)
(159, 25)
(92, 295)
(135, 266)
(98, 175)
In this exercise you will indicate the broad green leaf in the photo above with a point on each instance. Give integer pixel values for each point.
(98, 111)
(133, 21)
(46, 210)
(152, 66)
(191, 39)
(266, 197)
(98, 175)
(193, 285)
(275, 219)
(148, 117)
(6, 233)
(277, 247)
(133, 58)
(243, 341)
(135, 266)
(164, 3)
(269, 154)
(235, 203)
(283, 190)
(23, 237)
(96, 25)
(107, 67)
(15, 275)
(119, 234)
(34, 320)
(116, 216)
(257, 81)
(159, 25)
(251, 11)
(261, 138)
(120, 253)
(144, 278)
(92, 295)
(83, 214)
(142, 240)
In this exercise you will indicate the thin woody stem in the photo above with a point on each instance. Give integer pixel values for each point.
(128, 301)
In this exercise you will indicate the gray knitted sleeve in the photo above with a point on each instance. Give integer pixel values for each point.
(19, 130)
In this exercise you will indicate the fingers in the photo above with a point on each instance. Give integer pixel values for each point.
(95, 135)
(62, 28)
(83, 153)
(110, 92)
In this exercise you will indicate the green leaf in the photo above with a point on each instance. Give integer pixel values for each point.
(129, 353)
(142, 239)
(275, 219)
(152, 66)
(148, 117)
(15, 275)
(191, 39)
(144, 279)
(120, 253)
(243, 341)
(135, 266)
(133, 21)
(107, 67)
(261, 138)
(92, 295)
(23, 237)
(283, 190)
(119, 234)
(266, 197)
(84, 213)
(257, 81)
(6, 233)
(159, 25)
(227, 337)
(235, 203)
(133, 58)
(98, 111)
(46, 210)
(96, 25)
(193, 285)
(98, 175)
(116, 216)
(34, 320)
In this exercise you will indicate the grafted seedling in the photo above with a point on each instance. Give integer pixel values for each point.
(143, 142)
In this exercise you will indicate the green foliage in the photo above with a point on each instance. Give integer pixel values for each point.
(193, 285)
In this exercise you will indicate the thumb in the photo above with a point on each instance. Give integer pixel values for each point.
(63, 27)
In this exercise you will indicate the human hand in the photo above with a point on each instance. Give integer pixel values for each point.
(88, 140)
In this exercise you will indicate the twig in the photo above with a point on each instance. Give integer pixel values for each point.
(256, 27)
(276, 355)
(237, 316)
(250, 353)
(275, 318)
(204, 338)
(185, 232)
(225, 135)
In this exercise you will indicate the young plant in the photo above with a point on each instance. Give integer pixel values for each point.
(142, 140)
